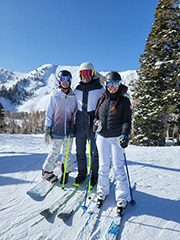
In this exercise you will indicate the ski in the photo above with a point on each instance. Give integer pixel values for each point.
(97, 234)
(66, 212)
(114, 227)
(40, 190)
(61, 202)
(93, 214)
(90, 223)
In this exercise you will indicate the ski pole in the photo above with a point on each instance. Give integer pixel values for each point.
(89, 168)
(88, 185)
(66, 161)
(129, 183)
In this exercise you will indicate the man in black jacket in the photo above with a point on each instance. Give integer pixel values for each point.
(87, 93)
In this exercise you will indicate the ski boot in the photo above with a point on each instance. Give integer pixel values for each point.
(49, 176)
(100, 200)
(121, 205)
(79, 180)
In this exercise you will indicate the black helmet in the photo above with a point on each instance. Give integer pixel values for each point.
(113, 79)
(64, 73)
(113, 76)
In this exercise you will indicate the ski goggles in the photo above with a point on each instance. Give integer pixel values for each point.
(65, 79)
(87, 73)
(113, 84)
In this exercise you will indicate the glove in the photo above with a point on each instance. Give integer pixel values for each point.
(97, 127)
(47, 136)
(123, 140)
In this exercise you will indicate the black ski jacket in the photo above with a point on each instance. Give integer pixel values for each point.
(87, 96)
(115, 123)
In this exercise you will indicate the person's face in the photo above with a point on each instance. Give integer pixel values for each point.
(112, 89)
(65, 85)
(86, 75)
(113, 86)
(86, 79)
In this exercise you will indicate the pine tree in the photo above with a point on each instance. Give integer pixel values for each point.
(156, 94)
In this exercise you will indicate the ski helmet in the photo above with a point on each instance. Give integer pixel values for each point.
(86, 69)
(86, 66)
(64, 75)
(113, 79)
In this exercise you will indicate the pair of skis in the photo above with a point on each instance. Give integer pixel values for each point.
(92, 216)
(92, 220)
(67, 205)
(63, 205)
(66, 210)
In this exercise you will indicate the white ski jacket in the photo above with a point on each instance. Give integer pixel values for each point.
(60, 114)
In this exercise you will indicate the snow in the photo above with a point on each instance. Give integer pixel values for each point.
(159, 63)
(7, 104)
(155, 215)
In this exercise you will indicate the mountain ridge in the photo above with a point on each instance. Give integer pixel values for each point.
(29, 92)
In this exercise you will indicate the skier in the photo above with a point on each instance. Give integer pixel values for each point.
(59, 125)
(112, 125)
(87, 93)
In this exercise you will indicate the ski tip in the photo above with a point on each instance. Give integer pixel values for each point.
(35, 197)
(46, 213)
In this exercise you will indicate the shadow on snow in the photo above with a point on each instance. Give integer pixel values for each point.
(153, 206)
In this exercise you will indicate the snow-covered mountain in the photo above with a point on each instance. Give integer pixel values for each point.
(30, 92)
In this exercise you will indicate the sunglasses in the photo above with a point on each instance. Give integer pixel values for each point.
(65, 79)
(113, 84)
(87, 73)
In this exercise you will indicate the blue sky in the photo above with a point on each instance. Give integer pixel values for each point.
(109, 33)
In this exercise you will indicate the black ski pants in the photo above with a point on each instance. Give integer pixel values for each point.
(81, 141)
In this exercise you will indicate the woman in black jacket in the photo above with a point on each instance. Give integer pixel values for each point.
(113, 124)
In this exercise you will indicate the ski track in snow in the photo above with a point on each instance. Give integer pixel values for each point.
(156, 171)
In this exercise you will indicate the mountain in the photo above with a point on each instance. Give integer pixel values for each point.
(29, 92)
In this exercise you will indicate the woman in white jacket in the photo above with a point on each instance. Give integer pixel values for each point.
(59, 125)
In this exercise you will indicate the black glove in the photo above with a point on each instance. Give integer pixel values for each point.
(123, 140)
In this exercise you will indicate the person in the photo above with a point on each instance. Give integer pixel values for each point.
(87, 94)
(59, 125)
(112, 125)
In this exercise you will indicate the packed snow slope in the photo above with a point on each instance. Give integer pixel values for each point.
(155, 170)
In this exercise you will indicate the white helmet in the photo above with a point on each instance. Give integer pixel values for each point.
(86, 66)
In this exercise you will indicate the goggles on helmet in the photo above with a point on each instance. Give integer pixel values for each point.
(87, 73)
(65, 79)
(113, 84)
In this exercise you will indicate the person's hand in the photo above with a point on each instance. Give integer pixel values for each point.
(97, 127)
(47, 136)
(123, 140)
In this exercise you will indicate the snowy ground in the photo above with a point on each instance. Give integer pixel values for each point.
(156, 214)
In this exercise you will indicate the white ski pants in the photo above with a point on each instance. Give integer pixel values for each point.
(57, 145)
(109, 151)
